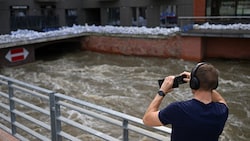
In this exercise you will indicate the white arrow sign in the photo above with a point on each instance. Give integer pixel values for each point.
(17, 54)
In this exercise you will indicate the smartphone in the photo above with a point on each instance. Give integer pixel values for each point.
(177, 81)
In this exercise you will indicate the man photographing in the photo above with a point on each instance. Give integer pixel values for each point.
(199, 119)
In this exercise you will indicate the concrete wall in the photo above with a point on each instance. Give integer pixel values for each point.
(182, 47)
(6, 51)
(233, 48)
(191, 48)
(169, 47)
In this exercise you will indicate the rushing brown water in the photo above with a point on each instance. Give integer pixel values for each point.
(128, 83)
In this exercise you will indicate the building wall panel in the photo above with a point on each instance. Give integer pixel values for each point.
(233, 48)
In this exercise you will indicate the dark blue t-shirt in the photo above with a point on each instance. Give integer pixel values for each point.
(193, 120)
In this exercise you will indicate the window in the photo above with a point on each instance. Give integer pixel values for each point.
(71, 12)
(18, 17)
(113, 16)
(139, 16)
(48, 10)
(227, 7)
(71, 17)
(168, 15)
(19, 11)
(243, 7)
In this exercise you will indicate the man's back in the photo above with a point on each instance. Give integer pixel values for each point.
(200, 119)
(195, 121)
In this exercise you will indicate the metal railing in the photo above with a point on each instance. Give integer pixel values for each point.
(39, 23)
(33, 113)
(214, 19)
(186, 23)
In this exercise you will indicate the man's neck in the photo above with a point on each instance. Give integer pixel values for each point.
(203, 96)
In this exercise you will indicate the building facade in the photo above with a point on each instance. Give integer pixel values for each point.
(44, 15)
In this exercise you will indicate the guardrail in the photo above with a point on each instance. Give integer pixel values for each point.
(186, 23)
(30, 113)
(214, 19)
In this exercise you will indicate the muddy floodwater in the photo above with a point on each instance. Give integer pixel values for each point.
(128, 83)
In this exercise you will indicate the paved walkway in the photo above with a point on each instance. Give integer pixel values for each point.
(4, 136)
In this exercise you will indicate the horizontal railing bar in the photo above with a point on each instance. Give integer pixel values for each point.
(68, 136)
(90, 113)
(30, 131)
(4, 117)
(163, 129)
(99, 108)
(159, 128)
(29, 118)
(3, 82)
(111, 112)
(34, 107)
(5, 106)
(112, 121)
(34, 93)
(4, 95)
(25, 84)
(87, 129)
(215, 17)
(147, 133)
(21, 137)
(5, 128)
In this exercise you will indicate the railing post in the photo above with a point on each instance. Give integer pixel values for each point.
(54, 113)
(125, 130)
(12, 107)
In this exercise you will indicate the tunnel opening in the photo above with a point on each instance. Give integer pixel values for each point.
(57, 50)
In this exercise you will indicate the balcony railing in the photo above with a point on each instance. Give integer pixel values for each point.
(39, 23)
(213, 20)
(187, 25)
